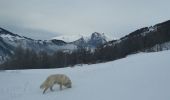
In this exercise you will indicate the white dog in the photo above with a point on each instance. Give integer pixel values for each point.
(60, 79)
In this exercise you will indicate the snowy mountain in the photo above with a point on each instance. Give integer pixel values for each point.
(68, 38)
(144, 76)
(153, 38)
(86, 41)
(9, 41)
(96, 39)
(144, 39)
(74, 37)
(15, 40)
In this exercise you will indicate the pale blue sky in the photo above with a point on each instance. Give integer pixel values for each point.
(43, 19)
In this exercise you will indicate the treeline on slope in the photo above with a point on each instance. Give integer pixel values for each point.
(136, 41)
(29, 59)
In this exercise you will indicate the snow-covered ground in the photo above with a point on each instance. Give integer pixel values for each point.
(144, 76)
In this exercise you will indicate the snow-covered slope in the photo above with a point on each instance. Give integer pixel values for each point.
(9, 41)
(145, 76)
(37, 45)
(68, 38)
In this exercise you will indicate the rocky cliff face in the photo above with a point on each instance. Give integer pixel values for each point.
(96, 39)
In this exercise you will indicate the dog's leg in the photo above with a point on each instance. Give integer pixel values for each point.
(51, 88)
(60, 86)
(45, 90)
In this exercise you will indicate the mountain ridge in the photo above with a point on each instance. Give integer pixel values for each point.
(9, 41)
(152, 38)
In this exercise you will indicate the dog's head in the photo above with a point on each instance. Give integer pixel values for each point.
(68, 84)
(42, 86)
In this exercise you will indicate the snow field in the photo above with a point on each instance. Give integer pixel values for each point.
(143, 76)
